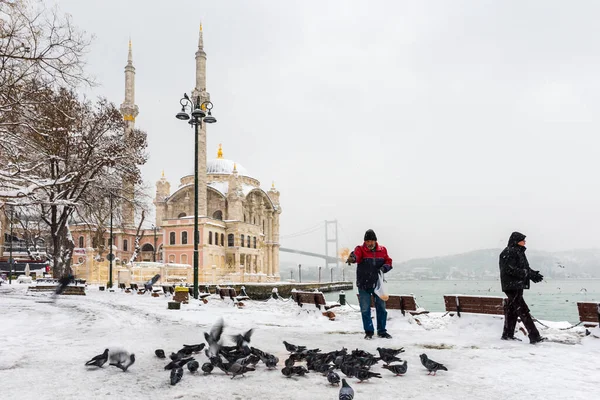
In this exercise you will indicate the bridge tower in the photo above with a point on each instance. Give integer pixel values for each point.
(331, 236)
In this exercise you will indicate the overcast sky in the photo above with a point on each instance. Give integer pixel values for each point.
(443, 126)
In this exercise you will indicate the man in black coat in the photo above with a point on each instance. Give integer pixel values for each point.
(515, 276)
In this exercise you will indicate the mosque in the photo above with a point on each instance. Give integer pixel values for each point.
(238, 220)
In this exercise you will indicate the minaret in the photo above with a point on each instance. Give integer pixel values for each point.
(200, 90)
(129, 110)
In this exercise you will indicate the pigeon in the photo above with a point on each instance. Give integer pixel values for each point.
(175, 356)
(252, 360)
(271, 361)
(160, 353)
(207, 368)
(392, 352)
(217, 362)
(431, 365)
(196, 348)
(333, 378)
(176, 375)
(289, 362)
(242, 341)
(99, 360)
(292, 348)
(238, 369)
(347, 370)
(299, 370)
(286, 371)
(193, 366)
(346, 392)
(122, 360)
(365, 374)
(213, 338)
(178, 363)
(398, 369)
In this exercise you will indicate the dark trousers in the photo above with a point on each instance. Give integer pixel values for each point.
(515, 308)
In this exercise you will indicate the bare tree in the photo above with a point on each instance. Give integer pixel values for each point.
(73, 144)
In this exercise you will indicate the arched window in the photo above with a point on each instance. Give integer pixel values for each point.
(263, 226)
(81, 241)
(184, 237)
(125, 245)
(209, 237)
(254, 241)
(248, 242)
(218, 214)
(242, 241)
(181, 215)
(147, 247)
(222, 239)
(230, 240)
(172, 238)
(244, 217)
(216, 239)
(254, 221)
(171, 258)
(184, 258)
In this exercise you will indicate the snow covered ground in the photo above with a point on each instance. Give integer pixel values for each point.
(44, 347)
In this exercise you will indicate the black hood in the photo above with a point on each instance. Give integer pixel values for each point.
(370, 235)
(515, 238)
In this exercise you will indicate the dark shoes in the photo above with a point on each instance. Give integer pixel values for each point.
(539, 339)
(369, 335)
(510, 338)
(384, 335)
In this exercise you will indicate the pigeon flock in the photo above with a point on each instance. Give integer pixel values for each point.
(242, 358)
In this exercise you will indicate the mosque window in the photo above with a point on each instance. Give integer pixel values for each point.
(230, 240)
(254, 241)
(244, 217)
(222, 239)
(81, 239)
(263, 226)
(172, 238)
(125, 245)
(218, 214)
(248, 242)
(181, 215)
(216, 239)
(184, 237)
(242, 241)
(209, 237)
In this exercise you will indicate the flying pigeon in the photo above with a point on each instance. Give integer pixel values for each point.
(122, 360)
(176, 375)
(213, 338)
(242, 341)
(99, 360)
(398, 369)
(160, 353)
(346, 392)
(431, 365)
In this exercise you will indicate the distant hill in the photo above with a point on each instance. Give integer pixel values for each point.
(477, 264)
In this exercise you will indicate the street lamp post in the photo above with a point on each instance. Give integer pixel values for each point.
(10, 258)
(198, 115)
(319, 274)
(111, 256)
(154, 228)
(300, 273)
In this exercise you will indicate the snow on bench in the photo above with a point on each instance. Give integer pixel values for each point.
(69, 290)
(474, 304)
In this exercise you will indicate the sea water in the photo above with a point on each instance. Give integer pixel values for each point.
(548, 300)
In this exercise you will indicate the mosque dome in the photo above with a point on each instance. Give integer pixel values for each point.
(222, 166)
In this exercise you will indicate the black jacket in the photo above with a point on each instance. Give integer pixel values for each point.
(514, 267)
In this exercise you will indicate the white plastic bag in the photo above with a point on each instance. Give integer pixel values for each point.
(380, 288)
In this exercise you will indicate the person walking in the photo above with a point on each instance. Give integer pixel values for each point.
(515, 276)
(370, 258)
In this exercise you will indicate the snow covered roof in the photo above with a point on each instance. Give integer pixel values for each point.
(222, 187)
(222, 166)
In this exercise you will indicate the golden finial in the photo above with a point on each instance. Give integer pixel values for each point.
(200, 26)
(273, 185)
(220, 151)
(129, 43)
(163, 173)
(234, 166)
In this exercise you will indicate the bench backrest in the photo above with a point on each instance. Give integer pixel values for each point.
(589, 312)
(474, 304)
(398, 302)
(315, 298)
(227, 292)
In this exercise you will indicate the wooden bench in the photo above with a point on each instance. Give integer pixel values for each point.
(474, 304)
(69, 290)
(400, 302)
(231, 293)
(589, 313)
(315, 298)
